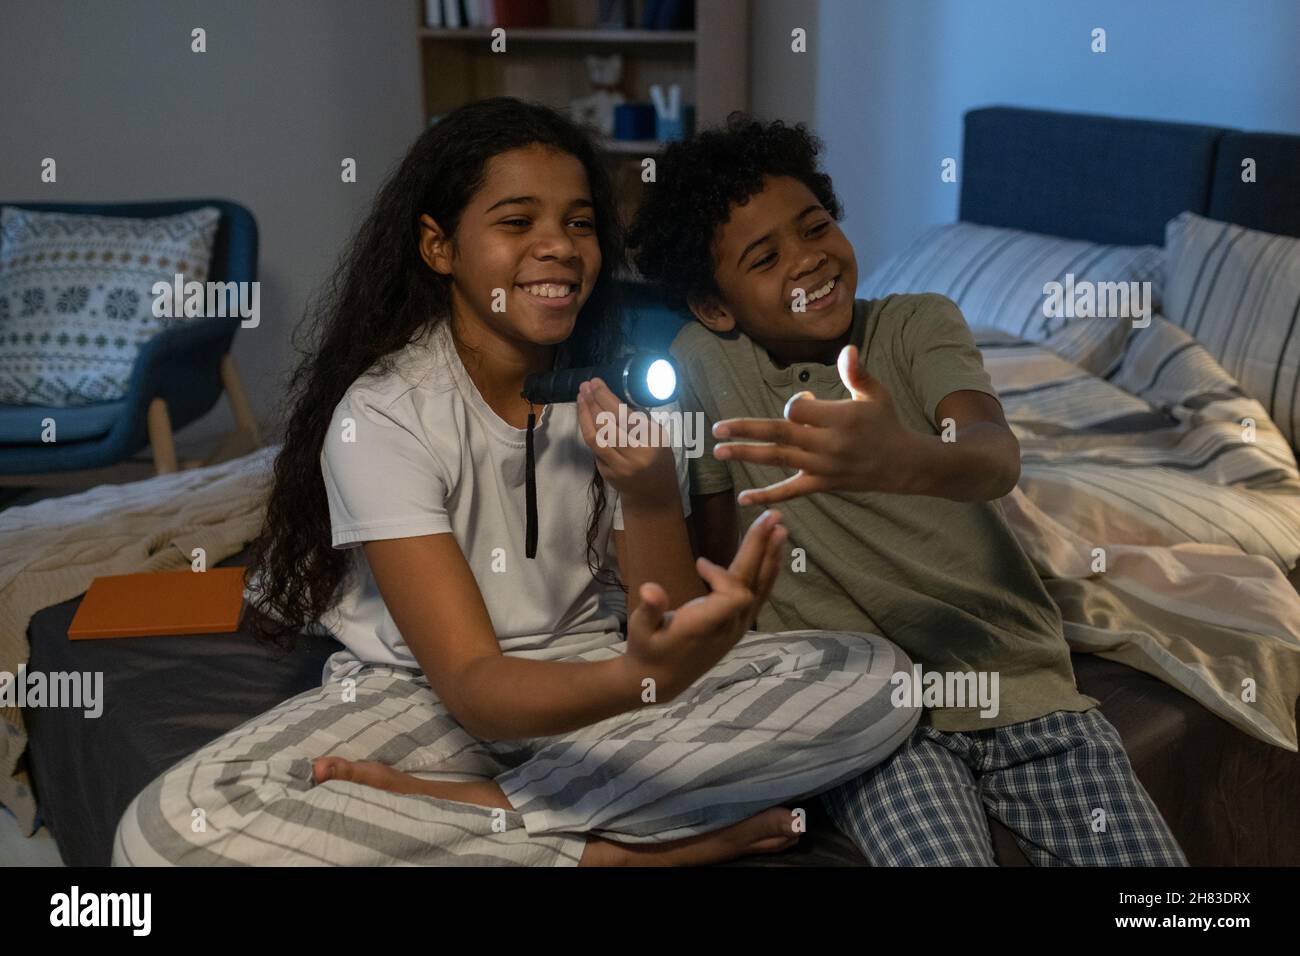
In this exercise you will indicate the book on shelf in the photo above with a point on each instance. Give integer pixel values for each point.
(520, 13)
(479, 13)
(609, 14)
(668, 15)
(459, 14)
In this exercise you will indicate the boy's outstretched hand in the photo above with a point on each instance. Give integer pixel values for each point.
(855, 444)
(676, 648)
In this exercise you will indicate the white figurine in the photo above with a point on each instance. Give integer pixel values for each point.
(597, 109)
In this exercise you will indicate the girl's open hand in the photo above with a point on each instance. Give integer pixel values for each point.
(855, 444)
(645, 471)
(675, 648)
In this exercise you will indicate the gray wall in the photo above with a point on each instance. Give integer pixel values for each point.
(885, 82)
(285, 91)
(288, 88)
(782, 83)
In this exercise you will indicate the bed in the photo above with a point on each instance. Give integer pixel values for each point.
(1228, 796)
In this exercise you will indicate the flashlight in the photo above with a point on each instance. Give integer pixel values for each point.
(643, 379)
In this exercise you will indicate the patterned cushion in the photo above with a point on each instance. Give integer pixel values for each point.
(996, 276)
(1238, 292)
(76, 300)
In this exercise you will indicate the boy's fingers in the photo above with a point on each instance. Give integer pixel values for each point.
(792, 487)
(776, 430)
(803, 409)
(856, 379)
(780, 456)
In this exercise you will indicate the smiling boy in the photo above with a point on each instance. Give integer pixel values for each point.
(899, 449)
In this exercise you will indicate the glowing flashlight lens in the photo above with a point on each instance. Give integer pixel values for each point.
(660, 379)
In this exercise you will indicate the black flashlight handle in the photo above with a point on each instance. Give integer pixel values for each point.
(561, 385)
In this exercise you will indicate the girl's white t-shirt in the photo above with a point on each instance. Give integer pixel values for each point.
(418, 451)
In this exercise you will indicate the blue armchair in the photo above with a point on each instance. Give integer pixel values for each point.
(177, 377)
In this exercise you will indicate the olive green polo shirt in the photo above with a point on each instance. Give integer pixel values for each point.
(945, 580)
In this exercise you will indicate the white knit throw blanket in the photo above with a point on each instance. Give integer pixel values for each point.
(50, 552)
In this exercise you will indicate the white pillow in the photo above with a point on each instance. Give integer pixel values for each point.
(1237, 291)
(76, 300)
(997, 276)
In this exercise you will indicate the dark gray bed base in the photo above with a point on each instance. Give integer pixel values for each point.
(1229, 799)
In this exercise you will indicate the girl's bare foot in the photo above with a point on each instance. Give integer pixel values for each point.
(371, 773)
(768, 832)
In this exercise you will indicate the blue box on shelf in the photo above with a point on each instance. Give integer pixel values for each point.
(683, 127)
(634, 121)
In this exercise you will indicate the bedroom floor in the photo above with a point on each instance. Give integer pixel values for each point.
(18, 850)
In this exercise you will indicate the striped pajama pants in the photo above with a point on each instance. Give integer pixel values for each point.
(780, 717)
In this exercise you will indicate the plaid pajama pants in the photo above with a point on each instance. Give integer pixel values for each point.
(1061, 783)
(781, 716)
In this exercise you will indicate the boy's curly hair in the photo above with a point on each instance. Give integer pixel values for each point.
(698, 181)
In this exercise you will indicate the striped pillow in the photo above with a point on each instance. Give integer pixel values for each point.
(997, 276)
(1237, 291)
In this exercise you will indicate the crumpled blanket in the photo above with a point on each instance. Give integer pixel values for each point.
(1161, 506)
(51, 550)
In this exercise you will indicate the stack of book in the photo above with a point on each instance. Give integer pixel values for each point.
(668, 15)
(466, 14)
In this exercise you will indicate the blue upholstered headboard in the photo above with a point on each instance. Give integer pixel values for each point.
(1118, 181)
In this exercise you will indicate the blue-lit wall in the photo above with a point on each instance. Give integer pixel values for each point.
(885, 82)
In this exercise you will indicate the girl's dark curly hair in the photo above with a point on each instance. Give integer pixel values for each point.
(697, 183)
(380, 297)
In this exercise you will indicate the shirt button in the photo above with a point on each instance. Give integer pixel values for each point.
(803, 376)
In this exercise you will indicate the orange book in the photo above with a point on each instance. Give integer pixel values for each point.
(161, 602)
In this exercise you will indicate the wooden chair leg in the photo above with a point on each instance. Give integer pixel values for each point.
(247, 436)
(160, 438)
(244, 419)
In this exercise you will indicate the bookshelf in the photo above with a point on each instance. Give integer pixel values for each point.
(564, 35)
(710, 62)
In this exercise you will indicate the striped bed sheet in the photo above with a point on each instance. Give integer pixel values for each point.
(1161, 506)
